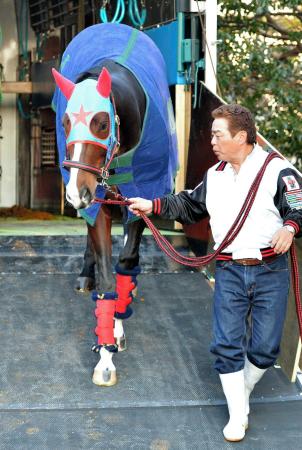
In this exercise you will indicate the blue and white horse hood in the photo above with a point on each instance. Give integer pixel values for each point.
(148, 170)
(85, 101)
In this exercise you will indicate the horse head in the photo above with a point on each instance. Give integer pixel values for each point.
(91, 128)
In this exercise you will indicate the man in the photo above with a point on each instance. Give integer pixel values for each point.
(252, 275)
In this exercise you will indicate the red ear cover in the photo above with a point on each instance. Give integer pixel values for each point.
(66, 86)
(104, 83)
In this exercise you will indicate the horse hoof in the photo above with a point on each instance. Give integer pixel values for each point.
(84, 284)
(104, 377)
(121, 343)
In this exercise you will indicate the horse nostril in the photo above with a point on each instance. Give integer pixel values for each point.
(85, 195)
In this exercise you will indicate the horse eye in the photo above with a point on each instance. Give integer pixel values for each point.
(103, 126)
(100, 125)
(66, 124)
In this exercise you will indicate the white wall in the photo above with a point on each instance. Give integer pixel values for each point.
(8, 145)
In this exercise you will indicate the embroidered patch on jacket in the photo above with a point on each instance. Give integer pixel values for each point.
(294, 199)
(291, 183)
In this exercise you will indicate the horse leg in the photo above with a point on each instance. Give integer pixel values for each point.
(127, 270)
(100, 237)
(104, 373)
(113, 307)
(86, 280)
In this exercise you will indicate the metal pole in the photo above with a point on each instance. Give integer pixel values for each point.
(211, 50)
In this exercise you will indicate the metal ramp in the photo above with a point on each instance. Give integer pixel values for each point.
(167, 396)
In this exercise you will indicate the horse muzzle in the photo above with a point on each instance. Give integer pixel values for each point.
(81, 199)
(85, 196)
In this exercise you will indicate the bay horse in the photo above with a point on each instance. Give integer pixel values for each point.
(116, 134)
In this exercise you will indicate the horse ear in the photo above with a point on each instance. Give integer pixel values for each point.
(104, 83)
(65, 85)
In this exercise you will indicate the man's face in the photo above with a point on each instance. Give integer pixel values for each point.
(225, 146)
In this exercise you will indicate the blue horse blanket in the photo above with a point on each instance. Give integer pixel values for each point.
(153, 163)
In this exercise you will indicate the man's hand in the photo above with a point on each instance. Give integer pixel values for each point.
(282, 240)
(140, 205)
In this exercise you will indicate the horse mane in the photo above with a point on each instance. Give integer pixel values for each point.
(128, 138)
(94, 72)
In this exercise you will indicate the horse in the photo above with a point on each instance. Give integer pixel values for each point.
(116, 136)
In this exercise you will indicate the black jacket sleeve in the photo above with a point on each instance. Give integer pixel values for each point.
(185, 207)
(288, 199)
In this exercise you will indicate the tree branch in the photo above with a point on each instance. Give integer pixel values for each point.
(289, 53)
(282, 34)
(272, 23)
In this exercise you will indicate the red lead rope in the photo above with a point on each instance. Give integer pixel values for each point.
(169, 250)
(296, 285)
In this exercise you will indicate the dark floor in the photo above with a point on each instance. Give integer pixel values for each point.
(167, 396)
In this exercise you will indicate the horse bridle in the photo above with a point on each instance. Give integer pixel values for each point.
(102, 173)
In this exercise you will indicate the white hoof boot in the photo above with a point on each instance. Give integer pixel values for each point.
(104, 372)
(234, 431)
(119, 335)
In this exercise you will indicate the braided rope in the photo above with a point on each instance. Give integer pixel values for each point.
(296, 286)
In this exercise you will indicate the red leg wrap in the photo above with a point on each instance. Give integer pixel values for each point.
(104, 313)
(124, 286)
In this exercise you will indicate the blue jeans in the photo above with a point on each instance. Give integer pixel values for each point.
(259, 291)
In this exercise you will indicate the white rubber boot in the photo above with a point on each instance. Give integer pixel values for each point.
(119, 335)
(252, 375)
(104, 372)
(234, 390)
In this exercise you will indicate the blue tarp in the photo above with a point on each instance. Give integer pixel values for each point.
(154, 162)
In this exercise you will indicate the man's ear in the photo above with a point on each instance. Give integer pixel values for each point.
(241, 137)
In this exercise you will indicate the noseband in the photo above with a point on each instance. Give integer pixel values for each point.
(101, 173)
